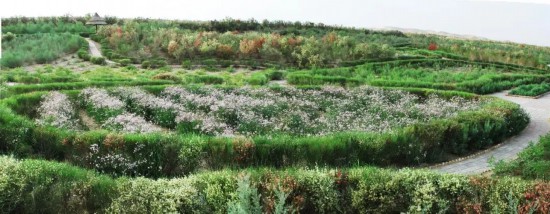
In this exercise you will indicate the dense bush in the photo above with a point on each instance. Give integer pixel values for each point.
(206, 79)
(84, 55)
(64, 188)
(38, 48)
(257, 79)
(155, 63)
(531, 90)
(8, 37)
(98, 60)
(125, 62)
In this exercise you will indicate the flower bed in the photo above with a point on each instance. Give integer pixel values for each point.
(423, 141)
(58, 111)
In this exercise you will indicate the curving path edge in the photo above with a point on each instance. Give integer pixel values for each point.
(94, 50)
(538, 110)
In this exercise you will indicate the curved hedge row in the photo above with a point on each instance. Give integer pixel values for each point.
(180, 154)
(36, 186)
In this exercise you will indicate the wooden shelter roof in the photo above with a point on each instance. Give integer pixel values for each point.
(96, 20)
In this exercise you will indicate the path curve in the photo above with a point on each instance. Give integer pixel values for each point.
(538, 110)
(94, 50)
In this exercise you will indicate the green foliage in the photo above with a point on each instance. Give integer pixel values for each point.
(532, 163)
(531, 90)
(257, 79)
(167, 76)
(247, 198)
(98, 60)
(84, 55)
(206, 79)
(38, 48)
(125, 62)
(8, 37)
(412, 145)
(155, 63)
(429, 75)
(187, 64)
(64, 188)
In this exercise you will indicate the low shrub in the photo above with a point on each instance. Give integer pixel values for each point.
(84, 55)
(98, 60)
(206, 79)
(532, 163)
(257, 79)
(531, 90)
(64, 188)
(167, 76)
(187, 64)
(155, 63)
(307, 79)
(124, 62)
(7, 37)
(85, 34)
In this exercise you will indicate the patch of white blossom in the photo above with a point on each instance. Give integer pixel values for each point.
(248, 111)
(57, 110)
(99, 98)
(117, 163)
(131, 123)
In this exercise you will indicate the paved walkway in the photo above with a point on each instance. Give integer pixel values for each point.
(94, 50)
(539, 111)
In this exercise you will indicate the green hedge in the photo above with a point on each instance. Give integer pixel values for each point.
(20, 89)
(532, 163)
(36, 186)
(179, 154)
(531, 90)
(307, 79)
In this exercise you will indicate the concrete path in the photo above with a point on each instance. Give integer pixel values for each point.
(94, 51)
(539, 111)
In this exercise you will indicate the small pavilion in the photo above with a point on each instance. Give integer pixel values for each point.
(96, 20)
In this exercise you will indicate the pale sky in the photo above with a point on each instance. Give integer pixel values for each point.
(523, 21)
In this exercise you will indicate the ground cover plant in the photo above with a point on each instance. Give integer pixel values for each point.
(531, 90)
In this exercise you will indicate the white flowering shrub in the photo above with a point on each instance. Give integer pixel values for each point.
(100, 105)
(264, 111)
(161, 111)
(131, 123)
(248, 111)
(58, 111)
(111, 161)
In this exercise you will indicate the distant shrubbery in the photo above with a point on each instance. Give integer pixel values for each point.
(38, 48)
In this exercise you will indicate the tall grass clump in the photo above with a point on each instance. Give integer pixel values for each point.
(38, 48)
